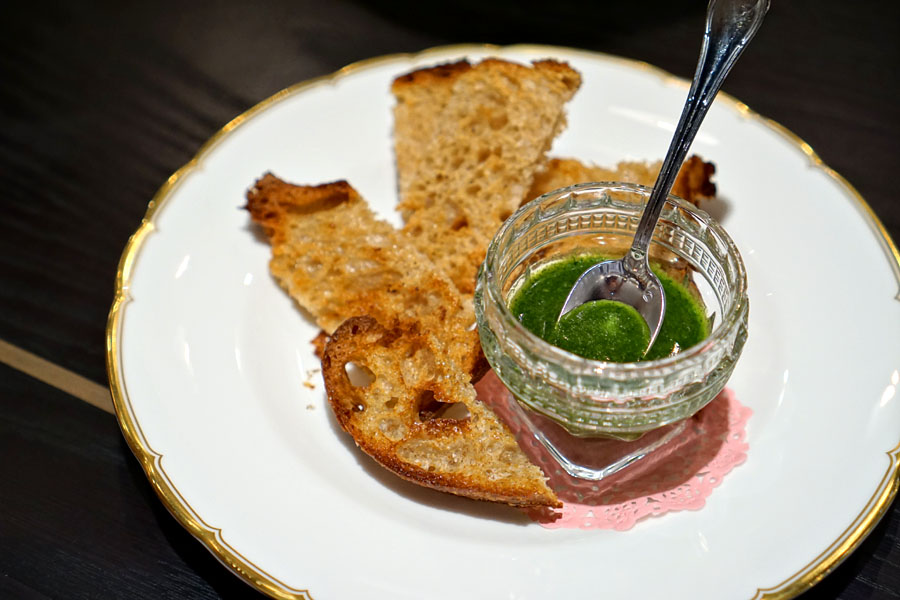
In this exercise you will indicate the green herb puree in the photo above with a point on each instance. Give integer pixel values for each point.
(605, 329)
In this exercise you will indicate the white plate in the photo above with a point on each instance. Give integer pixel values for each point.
(208, 359)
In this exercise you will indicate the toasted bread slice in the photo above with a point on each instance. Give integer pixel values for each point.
(338, 260)
(468, 142)
(416, 413)
(693, 182)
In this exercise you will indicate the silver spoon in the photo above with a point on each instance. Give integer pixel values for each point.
(730, 25)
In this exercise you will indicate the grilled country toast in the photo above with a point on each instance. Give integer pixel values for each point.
(339, 260)
(468, 141)
(417, 415)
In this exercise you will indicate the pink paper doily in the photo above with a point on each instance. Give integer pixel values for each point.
(679, 476)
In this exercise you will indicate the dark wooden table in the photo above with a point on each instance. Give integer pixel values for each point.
(101, 102)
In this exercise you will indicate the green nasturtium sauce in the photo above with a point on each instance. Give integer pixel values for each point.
(605, 329)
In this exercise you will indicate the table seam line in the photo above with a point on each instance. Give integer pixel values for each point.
(56, 376)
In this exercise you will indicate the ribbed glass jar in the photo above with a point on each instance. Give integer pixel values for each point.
(596, 398)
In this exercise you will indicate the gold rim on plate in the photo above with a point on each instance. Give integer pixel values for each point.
(256, 576)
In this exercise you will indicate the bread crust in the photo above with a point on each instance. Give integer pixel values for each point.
(431, 75)
(269, 201)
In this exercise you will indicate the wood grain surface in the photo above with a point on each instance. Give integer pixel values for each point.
(100, 102)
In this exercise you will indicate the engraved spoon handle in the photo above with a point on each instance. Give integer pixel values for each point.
(730, 25)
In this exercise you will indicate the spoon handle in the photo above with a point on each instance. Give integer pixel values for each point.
(730, 25)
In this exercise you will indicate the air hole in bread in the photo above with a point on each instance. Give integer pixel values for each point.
(431, 408)
(504, 215)
(457, 411)
(359, 375)
(459, 223)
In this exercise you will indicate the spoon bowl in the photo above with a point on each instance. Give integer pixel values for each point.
(628, 280)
